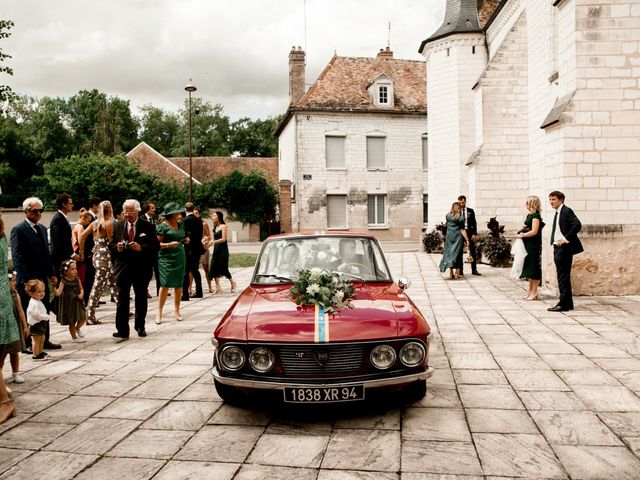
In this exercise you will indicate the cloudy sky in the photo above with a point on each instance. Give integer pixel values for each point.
(236, 51)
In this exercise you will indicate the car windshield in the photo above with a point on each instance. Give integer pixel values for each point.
(356, 258)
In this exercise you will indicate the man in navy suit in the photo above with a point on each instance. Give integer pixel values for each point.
(31, 258)
(471, 226)
(566, 244)
(60, 232)
(134, 248)
(194, 250)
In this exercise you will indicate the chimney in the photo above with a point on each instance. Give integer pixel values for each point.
(385, 53)
(296, 75)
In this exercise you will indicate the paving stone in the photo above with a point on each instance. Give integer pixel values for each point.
(437, 476)
(389, 420)
(356, 475)
(554, 349)
(520, 363)
(95, 435)
(54, 465)
(231, 415)
(517, 455)
(481, 396)
(130, 468)
(483, 420)
(199, 392)
(551, 401)
(574, 428)
(221, 443)
(182, 416)
(439, 397)
(363, 450)
(55, 367)
(260, 472)
(131, 408)
(17, 419)
(601, 350)
(101, 367)
(33, 436)
(36, 402)
(511, 349)
(160, 444)
(74, 409)
(11, 456)
(480, 377)
(477, 361)
(160, 388)
(136, 371)
(436, 424)
(449, 458)
(66, 384)
(177, 470)
(183, 370)
(622, 424)
(535, 380)
(109, 388)
(630, 379)
(598, 463)
(608, 399)
(588, 377)
(305, 451)
(129, 355)
(568, 362)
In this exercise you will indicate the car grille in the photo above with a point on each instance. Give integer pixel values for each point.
(322, 360)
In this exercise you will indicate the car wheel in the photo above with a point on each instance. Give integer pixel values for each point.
(227, 393)
(417, 390)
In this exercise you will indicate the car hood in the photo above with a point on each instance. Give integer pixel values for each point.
(268, 314)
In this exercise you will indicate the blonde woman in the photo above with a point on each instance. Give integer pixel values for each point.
(531, 235)
(102, 230)
(454, 242)
(84, 220)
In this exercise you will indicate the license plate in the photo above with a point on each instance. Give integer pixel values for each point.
(323, 394)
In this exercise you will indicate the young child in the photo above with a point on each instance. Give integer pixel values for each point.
(36, 316)
(71, 309)
(13, 349)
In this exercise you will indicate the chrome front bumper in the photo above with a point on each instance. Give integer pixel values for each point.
(267, 385)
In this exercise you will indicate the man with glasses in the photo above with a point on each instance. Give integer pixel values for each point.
(31, 258)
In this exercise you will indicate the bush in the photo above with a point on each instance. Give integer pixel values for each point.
(494, 246)
(432, 242)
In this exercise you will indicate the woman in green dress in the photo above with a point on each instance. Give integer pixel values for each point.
(8, 327)
(531, 235)
(454, 242)
(171, 258)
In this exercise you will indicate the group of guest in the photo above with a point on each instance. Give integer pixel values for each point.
(462, 230)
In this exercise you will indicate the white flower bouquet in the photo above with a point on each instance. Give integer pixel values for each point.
(322, 288)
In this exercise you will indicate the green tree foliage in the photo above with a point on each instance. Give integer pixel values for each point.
(210, 130)
(247, 198)
(159, 129)
(254, 138)
(5, 90)
(112, 178)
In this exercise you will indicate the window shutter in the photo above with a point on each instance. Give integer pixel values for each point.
(425, 153)
(371, 210)
(381, 210)
(375, 153)
(335, 152)
(336, 211)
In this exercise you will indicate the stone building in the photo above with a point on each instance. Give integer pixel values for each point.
(352, 148)
(527, 97)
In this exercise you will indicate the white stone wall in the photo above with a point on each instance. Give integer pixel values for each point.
(452, 70)
(403, 180)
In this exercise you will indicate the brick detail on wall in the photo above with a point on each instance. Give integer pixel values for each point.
(285, 205)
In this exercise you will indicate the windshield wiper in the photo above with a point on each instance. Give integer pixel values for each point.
(277, 277)
(353, 275)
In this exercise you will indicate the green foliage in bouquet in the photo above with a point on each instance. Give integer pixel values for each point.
(326, 289)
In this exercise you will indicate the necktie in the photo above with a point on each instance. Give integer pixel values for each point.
(39, 234)
(466, 221)
(131, 232)
(553, 228)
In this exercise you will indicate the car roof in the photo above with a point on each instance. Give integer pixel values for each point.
(282, 236)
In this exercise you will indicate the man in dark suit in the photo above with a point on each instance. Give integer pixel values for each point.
(89, 269)
(133, 248)
(471, 226)
(60, 232)
(31, 257)
(566, 244)
(149, 214)
(194, 250)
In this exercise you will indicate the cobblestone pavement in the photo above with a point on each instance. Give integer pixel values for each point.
(517, 392)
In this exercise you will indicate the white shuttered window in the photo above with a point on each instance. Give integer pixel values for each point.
(335, 152)
(376, 210)
(336, 211)
(375, 153)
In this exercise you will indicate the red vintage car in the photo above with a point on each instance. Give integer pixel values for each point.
(265, 341)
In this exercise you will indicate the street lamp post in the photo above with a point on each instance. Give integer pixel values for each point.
(190, 87)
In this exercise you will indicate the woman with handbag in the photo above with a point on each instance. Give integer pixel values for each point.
(531, 235)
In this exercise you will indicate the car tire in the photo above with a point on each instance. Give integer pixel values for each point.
(227, 393)
(417, 390)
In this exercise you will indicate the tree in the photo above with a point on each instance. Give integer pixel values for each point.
(210, 130)
(254, 138)
(159, 128)
(5, 90)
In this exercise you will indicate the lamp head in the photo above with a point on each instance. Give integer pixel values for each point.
(190, 87)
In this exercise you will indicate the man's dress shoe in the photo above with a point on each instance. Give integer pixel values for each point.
(558, 308)
(51, 346)
(141, 333)
(120, 336)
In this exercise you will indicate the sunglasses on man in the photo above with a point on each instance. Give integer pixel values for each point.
(35, 210)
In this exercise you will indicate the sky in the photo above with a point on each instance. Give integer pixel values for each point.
(235, 52)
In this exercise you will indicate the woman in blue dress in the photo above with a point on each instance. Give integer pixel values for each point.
(454, 242)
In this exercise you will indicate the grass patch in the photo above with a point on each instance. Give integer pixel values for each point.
(242, 259)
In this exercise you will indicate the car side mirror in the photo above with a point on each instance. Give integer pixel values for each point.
(404, 283)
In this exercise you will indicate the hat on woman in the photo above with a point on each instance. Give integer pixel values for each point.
(171, 208)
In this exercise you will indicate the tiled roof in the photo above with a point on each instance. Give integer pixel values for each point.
(344, 82)
(208, 168)
(486, 9)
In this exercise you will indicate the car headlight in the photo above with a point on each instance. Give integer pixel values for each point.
(412, 354)
(382, 356)
(261, 360)
(232, 358)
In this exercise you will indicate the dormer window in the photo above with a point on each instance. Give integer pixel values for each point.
(381, 91)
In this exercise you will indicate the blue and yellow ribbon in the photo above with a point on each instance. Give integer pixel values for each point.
(321, 330)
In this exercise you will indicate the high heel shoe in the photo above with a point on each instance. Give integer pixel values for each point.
(216, 291)
(179, 317)
(158, 320)
(233, 286)
(532, 298)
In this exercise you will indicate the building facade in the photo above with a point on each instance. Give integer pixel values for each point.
(545, 97)
(352, 149)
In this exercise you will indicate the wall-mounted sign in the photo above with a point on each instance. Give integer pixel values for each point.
(306, 176)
